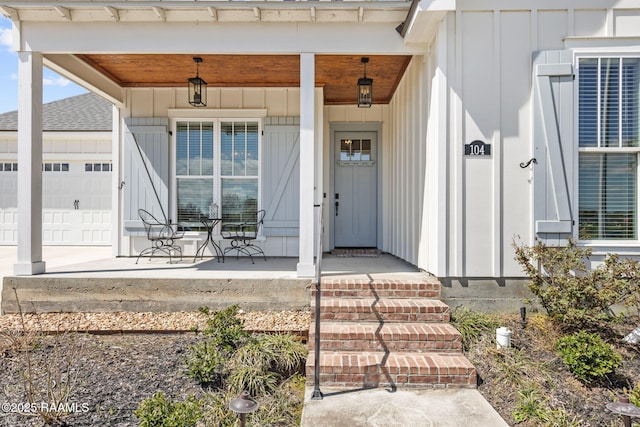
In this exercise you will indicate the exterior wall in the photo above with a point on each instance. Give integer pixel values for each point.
(488, 69)
(282, 107)
(405, 172)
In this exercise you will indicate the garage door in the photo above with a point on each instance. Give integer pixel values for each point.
(76, 204)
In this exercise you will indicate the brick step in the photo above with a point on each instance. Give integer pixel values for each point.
(386, 310)
(374, 336)
(377, 369)
(383, 288)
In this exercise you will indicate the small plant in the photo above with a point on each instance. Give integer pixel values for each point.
(254, 380)
(229, 360)
(634, 395)
(282, 353)
(471, 324)
(531, 407)
(516, 367)
(573, 294)
(48, 372)
(587, 356)
(224, 327)
(159, 411)
(207, 361)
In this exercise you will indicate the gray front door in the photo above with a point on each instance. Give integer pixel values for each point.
(355, 189)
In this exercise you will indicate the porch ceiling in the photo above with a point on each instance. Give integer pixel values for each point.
(337, 74)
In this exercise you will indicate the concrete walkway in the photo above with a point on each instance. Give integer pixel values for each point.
(410, 408)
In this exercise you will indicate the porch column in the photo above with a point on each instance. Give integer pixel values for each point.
(29, 165)
(307, 167)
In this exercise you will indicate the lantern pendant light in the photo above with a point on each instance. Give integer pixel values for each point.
(197, 88)
(365, 88)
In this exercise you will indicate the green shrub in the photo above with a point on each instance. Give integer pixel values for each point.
(571, 293)
(207, 361)
(472, 325)
(225, 328)
(587, 356)
(158, 411)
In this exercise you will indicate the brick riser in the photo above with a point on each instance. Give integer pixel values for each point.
(385, 310)
(368, 369)
(387, 333)
(379, 289)
(436, 337)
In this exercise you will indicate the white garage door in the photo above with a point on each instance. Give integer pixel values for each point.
(76, 204)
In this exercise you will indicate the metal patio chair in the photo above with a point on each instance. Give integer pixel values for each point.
(242, 236)
(163, 236)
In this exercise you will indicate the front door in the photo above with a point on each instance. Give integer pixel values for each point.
(355, 190)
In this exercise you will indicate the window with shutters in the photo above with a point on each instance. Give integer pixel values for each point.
(217, 162)
(608, 147)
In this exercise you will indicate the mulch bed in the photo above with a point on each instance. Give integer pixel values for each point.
(532, 360)
(112, 372)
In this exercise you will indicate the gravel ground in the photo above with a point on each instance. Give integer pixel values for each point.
(123, 321)
(111, 373)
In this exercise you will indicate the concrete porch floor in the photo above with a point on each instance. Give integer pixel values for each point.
(91, 279)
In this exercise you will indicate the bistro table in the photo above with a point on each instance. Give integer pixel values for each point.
(209, 225)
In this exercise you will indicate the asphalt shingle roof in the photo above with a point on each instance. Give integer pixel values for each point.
(85, 113)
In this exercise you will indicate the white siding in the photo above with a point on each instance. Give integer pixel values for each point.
(404, 172)
(488, 70)
(283, 108)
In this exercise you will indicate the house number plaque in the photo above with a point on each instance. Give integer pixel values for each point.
(477, 148)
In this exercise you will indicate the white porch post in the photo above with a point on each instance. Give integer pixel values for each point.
(307, 166)
(29, 165)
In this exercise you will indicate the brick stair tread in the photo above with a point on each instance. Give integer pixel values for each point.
(423, 305)
(383, 287)
(395, 362)
(438, 331)
(383, 283)
(374, 336)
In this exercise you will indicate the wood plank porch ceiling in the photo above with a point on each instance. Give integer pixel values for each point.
(337, 74)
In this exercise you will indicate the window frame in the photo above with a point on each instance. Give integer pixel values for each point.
(217, 176)
(602, 149)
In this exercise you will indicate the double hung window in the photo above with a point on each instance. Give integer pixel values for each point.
(217, 162)
(608, 148)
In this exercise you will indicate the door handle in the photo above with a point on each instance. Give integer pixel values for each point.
(337, 205)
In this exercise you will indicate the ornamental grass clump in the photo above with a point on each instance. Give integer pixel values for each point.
(472, 324)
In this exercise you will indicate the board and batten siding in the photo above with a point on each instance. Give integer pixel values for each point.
(280, 155)
(404, 176)
(487, 66)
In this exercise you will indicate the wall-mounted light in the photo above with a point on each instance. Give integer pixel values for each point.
(365, 88)
(197, 88)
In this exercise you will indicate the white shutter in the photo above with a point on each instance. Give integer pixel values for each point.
(281, 195)
(146, 171)
(553, 127)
